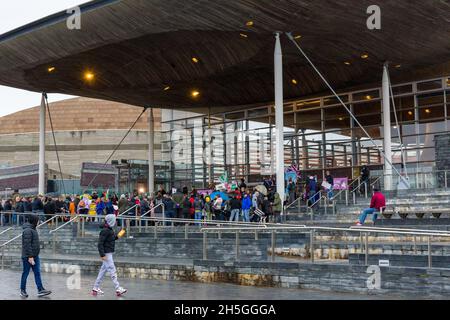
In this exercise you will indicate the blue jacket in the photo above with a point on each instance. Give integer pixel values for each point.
(246, 203)
(100, 206)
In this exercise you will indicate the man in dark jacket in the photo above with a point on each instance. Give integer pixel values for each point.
(38, 207)
(30, 257)
(235, 207)
(106, 246)
(49, 208)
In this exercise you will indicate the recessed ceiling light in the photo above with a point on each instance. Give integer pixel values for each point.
(341, 119)
(243, 35)
(195, 60)
(294, 81)
(89, 76)
(167, 88)
(249, 23)
(297, 36)
(427, 110)
(51, 69)
(410, 113)
(364, 56)
(397, 66)
(347, 63)
(195, 94)
(368, 97)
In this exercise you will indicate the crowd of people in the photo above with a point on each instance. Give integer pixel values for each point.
(243, 204)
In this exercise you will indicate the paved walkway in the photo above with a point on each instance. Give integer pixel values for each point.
(163, 290)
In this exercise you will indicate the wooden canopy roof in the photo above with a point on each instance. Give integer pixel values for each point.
(141, 52)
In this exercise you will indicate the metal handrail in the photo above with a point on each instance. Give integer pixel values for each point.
(5, 231)
(426, 233)
(38, 226)
(153, 209)
(65, 224)
(292, 203)
(348, 187)
(399, 229)
(127, 210)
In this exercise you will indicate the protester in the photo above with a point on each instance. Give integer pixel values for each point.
(277, 207)
(246, 205)
(235, 207)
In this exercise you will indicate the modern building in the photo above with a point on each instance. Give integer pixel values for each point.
(263, 101)
(86, 131)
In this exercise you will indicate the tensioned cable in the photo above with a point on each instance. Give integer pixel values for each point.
(289, 35)
(54, 141)
(402, 147)
(116, 148)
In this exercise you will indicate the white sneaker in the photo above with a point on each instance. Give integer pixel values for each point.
(97, 292)
(358, 224)
(121, 291)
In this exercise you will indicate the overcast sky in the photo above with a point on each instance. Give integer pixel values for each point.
(14, 14)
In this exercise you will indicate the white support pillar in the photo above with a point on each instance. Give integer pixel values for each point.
(151, 152)
(387, 130)
(42, 115)
(279, 120)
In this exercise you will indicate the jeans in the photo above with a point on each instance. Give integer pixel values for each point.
(246, 214)
(235, 215)
(169, 215)
(367, 211)
(330, 194)
(198, 216)
(107, 266)
(26, 271)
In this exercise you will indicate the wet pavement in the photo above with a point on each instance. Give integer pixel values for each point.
(139, 289)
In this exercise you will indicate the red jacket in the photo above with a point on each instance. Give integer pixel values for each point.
(378, 201)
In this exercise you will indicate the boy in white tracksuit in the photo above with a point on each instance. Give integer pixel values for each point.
(106, 245)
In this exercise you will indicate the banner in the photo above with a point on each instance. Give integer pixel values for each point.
(340, 183)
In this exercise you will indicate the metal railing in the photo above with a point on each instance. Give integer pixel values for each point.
(366, 231)
(128, 210)
(2, 246)
(5, 231)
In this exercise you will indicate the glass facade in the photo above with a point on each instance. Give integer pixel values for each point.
(319, 135)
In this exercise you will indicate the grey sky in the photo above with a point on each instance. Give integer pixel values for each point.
(14, 14)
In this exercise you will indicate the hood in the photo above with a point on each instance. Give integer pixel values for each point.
(28, 225)
(277, 196)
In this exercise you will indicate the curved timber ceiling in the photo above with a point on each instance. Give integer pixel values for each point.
(138, 48)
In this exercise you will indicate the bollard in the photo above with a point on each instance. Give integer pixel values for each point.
(311, 244)
(186, 231)
(237, 245)
(205, 238)
(429, 253)
(256, 234)
(273, 246)
(367, 249)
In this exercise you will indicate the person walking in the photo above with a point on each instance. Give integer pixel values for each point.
(30, 257)
(377, 203)
(106, 245)
(235, 207)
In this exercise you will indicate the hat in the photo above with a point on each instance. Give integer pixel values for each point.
(111, 220)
